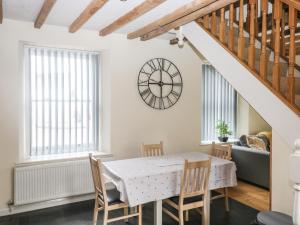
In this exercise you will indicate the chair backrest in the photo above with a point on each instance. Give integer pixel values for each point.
(152, 150)
(194, 181)
(222, 150)
(98, 180)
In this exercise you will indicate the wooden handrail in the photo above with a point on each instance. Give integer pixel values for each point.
(277, 73)
(294, 3)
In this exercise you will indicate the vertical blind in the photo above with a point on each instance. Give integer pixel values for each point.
(219, 101)
(62, 98)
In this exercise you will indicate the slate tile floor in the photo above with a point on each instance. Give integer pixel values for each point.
(81, 214)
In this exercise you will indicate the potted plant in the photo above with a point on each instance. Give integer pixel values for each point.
(223, 131)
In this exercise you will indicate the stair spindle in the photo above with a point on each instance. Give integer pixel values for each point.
(231, 28)
(248, 17)
(263, 66)
(273, 27)
(276, 67)
(206, 22)
(241, 39)
(222, 26)
(282, 34)
(251, 48)
(256, 16)
(292, 55)
(214, 23)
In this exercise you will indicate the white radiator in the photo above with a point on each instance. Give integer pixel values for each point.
(51, 181)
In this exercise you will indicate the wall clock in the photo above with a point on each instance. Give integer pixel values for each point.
(160, 83)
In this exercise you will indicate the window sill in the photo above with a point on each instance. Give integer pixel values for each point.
(230, 141)
(60, 158)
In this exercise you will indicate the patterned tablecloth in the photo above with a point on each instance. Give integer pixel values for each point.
(142, 180)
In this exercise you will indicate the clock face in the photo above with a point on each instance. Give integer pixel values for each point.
(160, 83)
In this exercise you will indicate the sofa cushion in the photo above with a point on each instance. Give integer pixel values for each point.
(256, 142)
(243, 141)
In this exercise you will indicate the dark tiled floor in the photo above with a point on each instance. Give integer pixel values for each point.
(81, 214)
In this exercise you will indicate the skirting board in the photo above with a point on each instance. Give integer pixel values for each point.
(47, 204)
(42, 205)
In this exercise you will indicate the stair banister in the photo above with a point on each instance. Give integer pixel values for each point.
(295, 177)
(292, 55)
(263, 66)
(276, 67)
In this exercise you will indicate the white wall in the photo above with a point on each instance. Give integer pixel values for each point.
(282, 187)
(127, 120)
(248, 120)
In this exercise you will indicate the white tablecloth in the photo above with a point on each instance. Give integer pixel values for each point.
(142, 180)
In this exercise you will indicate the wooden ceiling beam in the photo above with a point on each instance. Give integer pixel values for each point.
(43, 14)
(87, 13)
(187, 19)
(178, 13)
(138, 11)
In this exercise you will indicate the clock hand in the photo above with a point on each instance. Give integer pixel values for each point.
(154, 82)
(174, 84)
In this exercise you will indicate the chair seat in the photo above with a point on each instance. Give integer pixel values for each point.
(187, 200)
(113, 196)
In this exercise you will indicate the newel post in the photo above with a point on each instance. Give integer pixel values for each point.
(295, 177)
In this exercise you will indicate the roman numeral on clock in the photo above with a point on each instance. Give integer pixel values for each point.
(145, 93)
(161, 63)
(175, 74)
(152, 101)
(161, 103)
(175, 94)
(146, 73)
(143, 83)
(152, 66)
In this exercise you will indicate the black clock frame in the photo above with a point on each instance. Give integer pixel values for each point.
(161, 84)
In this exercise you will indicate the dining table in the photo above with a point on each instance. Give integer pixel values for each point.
(153, 179)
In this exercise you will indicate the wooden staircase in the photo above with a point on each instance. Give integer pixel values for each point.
(264, 36)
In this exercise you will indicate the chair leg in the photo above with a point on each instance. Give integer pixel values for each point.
(105, 217)
(95, 216)
(140, 215)
(205, 209)
(181, 219)
(125, 214)
(186, 215)
(226, 199)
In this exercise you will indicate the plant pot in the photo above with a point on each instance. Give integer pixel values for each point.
(223, 139)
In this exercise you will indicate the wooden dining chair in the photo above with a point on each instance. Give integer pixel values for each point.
(108, 200)
(152, 150)
(193, 191)
(222, 151)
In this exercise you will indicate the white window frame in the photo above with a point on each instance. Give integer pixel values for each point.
(25, 156)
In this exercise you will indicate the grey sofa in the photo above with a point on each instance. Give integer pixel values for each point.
(253, 165)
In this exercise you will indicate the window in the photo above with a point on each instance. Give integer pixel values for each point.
(62, 101)
(219, 103)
